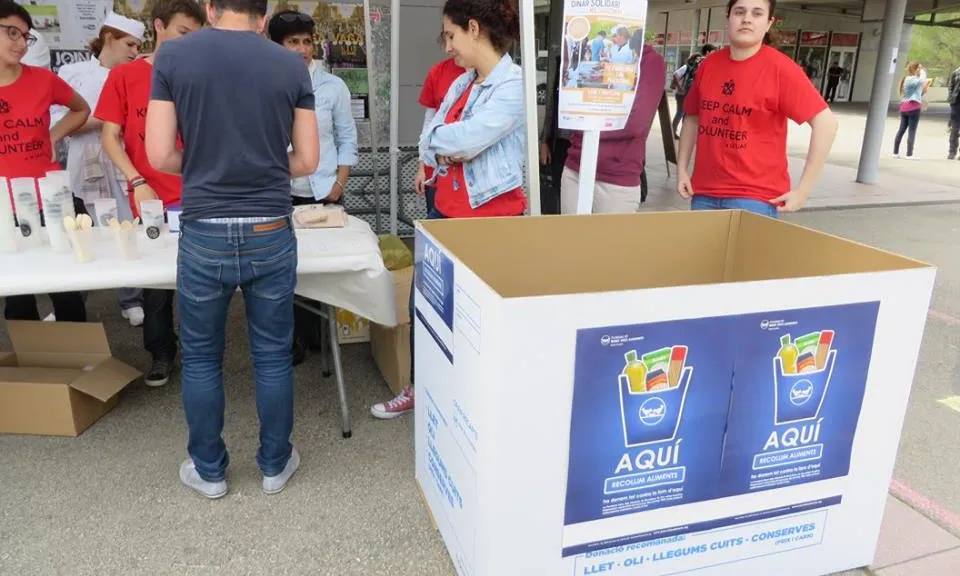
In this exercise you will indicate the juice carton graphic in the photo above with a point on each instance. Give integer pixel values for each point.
(801, 376)
(653, 391)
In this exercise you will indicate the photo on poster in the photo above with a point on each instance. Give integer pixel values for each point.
(649, 409)
(799, 382)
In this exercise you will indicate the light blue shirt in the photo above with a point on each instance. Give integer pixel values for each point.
(489, 138)
(622, 54)
(913, 87)
(338, 133)
(596, 48)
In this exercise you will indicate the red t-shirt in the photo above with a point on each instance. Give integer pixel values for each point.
(452, 199)
(435, 87)
(25, 147)
(743, 109)
(123, 101)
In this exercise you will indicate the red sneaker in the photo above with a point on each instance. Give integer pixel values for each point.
(402, 404)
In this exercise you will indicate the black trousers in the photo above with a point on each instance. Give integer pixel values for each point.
(159, 338)
(67, 306)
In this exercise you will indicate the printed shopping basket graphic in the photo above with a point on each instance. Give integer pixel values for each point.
(801, 375)
(653, 391)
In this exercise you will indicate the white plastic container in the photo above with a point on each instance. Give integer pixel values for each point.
(151, 213)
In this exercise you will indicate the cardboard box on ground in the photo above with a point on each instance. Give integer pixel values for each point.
(391, 346)
(709, 392)
(59, 379)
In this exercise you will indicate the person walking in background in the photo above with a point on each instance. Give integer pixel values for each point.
(953, 97)
(736, 119)
(338, 145)
(435, 87)
(834, 74)
(122, 110)
(683, 80)
(27, 93)
(239, 101)
(93, 176)
(475, 142)
(913, 86)
(622, 157)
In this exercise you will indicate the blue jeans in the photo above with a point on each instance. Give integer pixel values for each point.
(432, 214)
(701, 202)
(214, 260)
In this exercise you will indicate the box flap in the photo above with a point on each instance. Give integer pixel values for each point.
(106, 380)
(402, 285)
(37, 375)
(76, 344)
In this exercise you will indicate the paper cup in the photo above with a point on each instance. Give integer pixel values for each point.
(83, 245)
(151, 214)
(127, 243)
(105, 209)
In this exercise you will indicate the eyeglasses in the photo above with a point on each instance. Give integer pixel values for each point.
(294, 17)
(16, 34)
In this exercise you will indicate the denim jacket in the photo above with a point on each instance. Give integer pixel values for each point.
(489, 138)
(913, 87)
(338, 130)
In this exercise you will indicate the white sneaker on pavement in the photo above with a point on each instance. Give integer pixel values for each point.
(276, 484)
(192, 480)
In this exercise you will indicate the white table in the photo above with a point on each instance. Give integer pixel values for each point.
(340, 267)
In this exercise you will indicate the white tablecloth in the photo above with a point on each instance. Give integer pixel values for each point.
(338, 266)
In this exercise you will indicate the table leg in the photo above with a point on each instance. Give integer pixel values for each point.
(328, 314)
(338, 369)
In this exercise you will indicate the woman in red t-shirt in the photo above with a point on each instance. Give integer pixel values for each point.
(736, 117)
(435, 87)
(26, 138)
(479, 33)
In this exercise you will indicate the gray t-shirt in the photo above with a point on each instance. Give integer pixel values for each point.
(235, 95)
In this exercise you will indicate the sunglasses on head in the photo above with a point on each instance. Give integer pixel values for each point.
(294, 17)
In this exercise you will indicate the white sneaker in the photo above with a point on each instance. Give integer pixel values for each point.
(51, 317)
(897, 156)
(133, 315)
(276, 484)
(192, 480)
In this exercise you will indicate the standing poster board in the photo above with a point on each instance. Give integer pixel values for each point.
(599, 66)
(67, 26)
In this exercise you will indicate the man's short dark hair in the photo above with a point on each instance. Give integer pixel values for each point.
(707, 49)
(10, 8)
(165, 10)
(288, 23)
(602, 33)
(251, 7)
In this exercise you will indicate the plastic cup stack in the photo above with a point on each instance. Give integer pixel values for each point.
(28, 211)
(57, 205)
(8, 229)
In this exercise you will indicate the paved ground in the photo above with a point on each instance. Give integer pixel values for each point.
(109, 501)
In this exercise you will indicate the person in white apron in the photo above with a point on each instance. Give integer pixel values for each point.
(92, 175)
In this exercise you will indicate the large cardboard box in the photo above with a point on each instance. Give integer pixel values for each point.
(59, 379)
(390, 346)
(649, 394)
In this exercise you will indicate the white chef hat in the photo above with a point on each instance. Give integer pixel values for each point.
(39, 53)
(126, 25)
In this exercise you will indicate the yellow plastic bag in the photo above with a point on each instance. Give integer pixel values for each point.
(396, 255)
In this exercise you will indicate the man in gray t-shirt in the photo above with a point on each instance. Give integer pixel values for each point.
(238, 102)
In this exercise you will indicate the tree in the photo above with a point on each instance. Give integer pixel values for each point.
(938, 49)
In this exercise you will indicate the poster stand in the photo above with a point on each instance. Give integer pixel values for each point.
(588, 171)
(374, 116)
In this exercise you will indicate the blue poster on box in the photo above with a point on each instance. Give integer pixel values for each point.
(649, 409)
(798, 387)
(433, 279)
